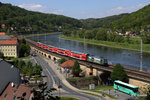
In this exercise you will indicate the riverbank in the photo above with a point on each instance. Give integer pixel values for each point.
(136, 47)
(30, 35)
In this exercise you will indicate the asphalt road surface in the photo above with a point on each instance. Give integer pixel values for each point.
(53, 79)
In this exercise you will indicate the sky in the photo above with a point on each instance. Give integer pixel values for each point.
(81, 9)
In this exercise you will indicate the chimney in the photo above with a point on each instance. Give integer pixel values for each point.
(12, 84)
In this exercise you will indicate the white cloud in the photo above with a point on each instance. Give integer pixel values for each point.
(122, 9)
(56, 11)
(40, 8)
(33, 7)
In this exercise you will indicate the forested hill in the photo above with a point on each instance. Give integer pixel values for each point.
(101, 22)
(135, 21)
(19, 20)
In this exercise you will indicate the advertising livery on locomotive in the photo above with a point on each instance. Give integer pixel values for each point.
(76, 55)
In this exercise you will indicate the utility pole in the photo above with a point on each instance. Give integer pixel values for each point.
(45, 37)
(141, 63)
(84, 45)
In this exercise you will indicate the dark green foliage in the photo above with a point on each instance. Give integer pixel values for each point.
(101, 22)
(146, 38)
(19, 20)
(148, 93)
(24, 50)
(135, 21)
(27, 68)
(1, 55)
(102, 34)
(76, 69)
(62, 60)
(43, 93)
(37, 69)
(119, 73)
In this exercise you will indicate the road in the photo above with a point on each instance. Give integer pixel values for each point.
(54, 80)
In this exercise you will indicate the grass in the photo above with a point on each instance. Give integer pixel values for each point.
(92, 94)
(97, 91)
(81, 78)
(141, 98)
(135, 46)
(68, 98)
(30, 35)
(104, 87)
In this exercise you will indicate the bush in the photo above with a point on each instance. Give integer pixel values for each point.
(119, 73)
(62, 60)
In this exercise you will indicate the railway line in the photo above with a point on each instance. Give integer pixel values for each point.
(132, 72)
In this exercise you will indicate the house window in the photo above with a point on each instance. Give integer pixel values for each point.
(5, 95)
(14, 97)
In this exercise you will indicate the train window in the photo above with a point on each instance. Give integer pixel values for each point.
(83, 56)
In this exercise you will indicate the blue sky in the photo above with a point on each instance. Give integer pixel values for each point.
(81, 9)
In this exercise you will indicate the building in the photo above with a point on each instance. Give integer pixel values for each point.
(9, 46)
(14, 91)
(2, 33)
(8, 73)
(67, 66)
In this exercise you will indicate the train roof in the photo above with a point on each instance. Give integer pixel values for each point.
(96, 56)
(78, 52)
(126, 84)
(64, 49)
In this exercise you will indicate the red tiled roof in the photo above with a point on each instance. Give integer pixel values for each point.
(68, 63)
(2, 33)
(9, 41)
(17, 91)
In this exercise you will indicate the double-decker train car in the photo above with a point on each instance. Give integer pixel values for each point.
(79, 55)
(73, 54)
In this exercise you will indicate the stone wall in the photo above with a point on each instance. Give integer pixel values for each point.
(142, 85)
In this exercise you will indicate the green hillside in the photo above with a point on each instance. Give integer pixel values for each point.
(101, 22)
(135, 21)
(19, 20)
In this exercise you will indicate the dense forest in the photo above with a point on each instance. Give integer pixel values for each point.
(108, 28)
(105, 22)
(137, 21)
(19, 20)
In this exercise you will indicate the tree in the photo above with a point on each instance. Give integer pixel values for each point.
(43, 93)
(24, 49)
(119, 73)
(76, 69)
(1, 55)
(148, 92)
(37, 69)
(62, 60)
(20, 64)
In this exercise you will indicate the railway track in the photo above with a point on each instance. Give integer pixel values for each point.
(132, 72)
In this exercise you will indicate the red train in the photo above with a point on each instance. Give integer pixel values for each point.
(76, 55)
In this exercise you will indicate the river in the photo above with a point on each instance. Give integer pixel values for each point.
(114, 55)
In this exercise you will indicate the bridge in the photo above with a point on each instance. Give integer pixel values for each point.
(136, 76)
